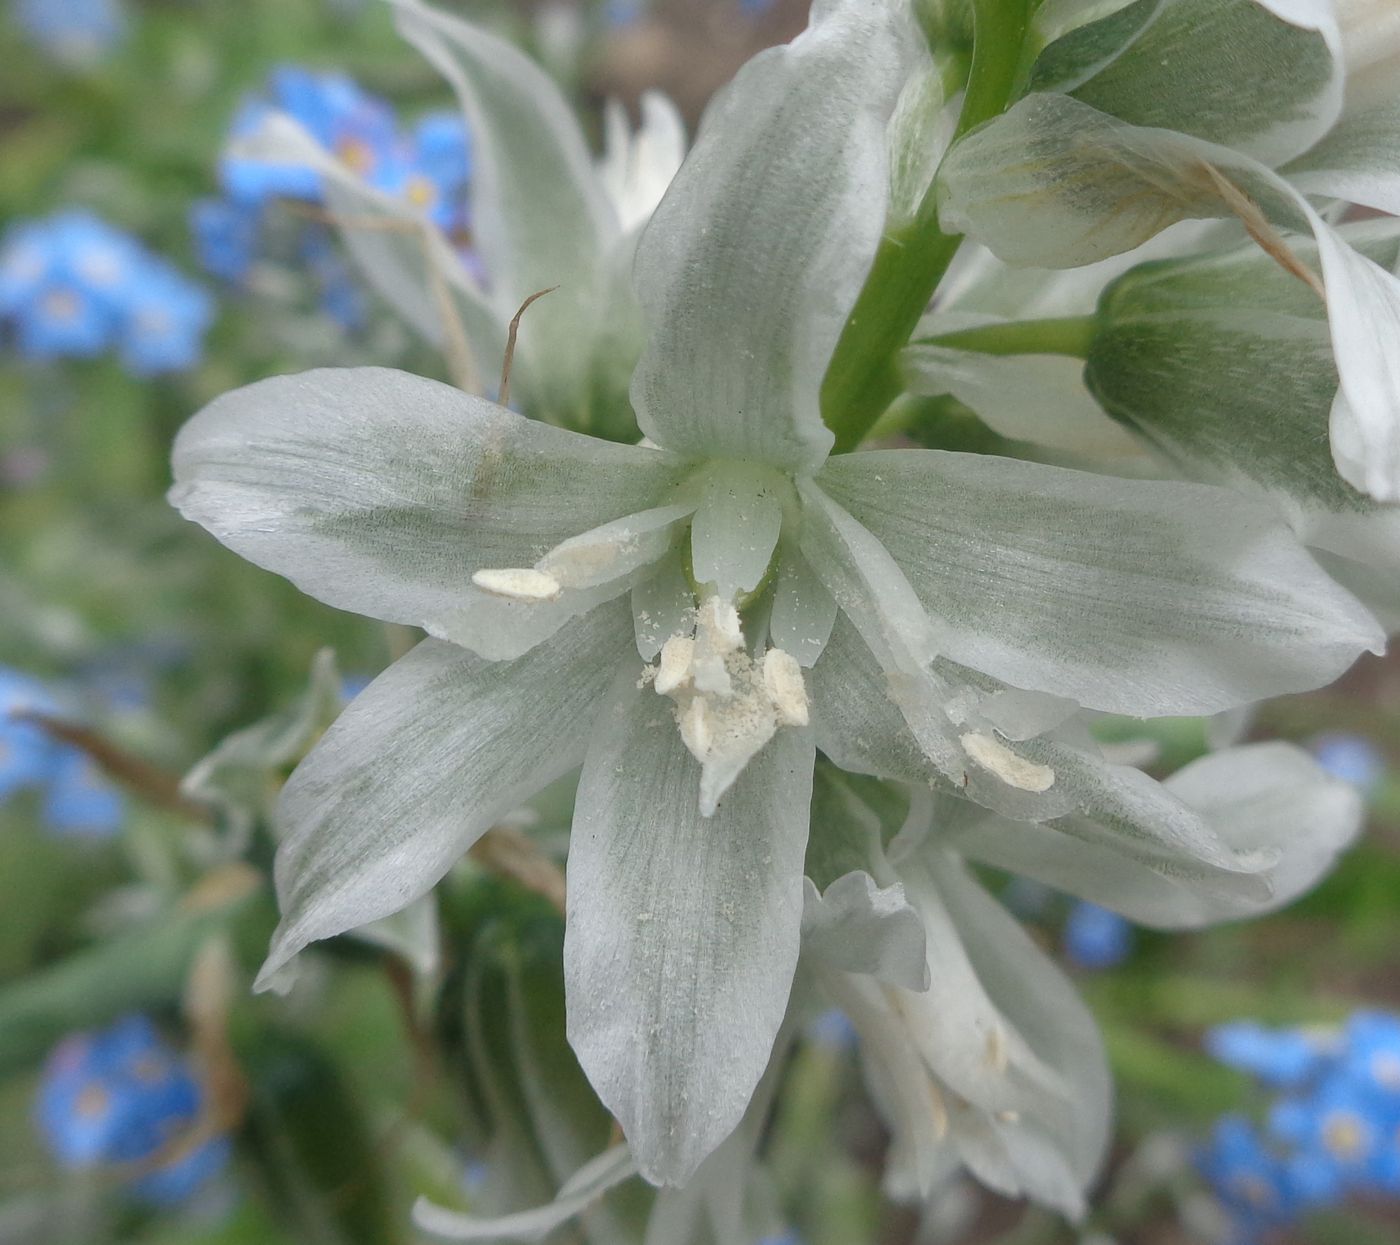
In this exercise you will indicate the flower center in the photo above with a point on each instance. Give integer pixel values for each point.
(728, 703)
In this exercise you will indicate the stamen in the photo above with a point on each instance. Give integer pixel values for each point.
(1015, 771)
(518, 584)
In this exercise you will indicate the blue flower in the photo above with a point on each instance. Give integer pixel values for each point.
(1258, 1188)
(1336, 1133)
(1352, 758)
(77, 32)
(1284, 1058)
(123, 1096)
(25, 751)
(1096, 938)
(72, 286)
(77, 797)
(350, 123)
(167, 317)
(225, 236)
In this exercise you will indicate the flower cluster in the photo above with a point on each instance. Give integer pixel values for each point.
(123, 1100)
(73, 286)
(76, 797)
(1332, 1131)
(809, 691)
(426, 169)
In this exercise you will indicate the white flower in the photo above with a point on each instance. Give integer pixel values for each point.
(544, 215)
(650, 612)
(1202, 109)
(978, 1051)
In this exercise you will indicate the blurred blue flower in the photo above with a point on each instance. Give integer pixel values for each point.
(1336, 1131)
(167, 317)
(1371, 1057)
(1335, 1134)
(25, 751)
(786, 1237)
(76, 32)
(225, 236)
(1255, 1186)
(1352, 758)
(123, 1096)
(1283, 1058)
(73, 286)
(77, 798)
(428, 167)
(1096, 938)
(755, 8)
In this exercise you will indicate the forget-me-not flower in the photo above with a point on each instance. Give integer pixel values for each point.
(122, 1098)
(73, 286)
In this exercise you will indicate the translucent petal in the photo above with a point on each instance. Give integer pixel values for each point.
(383, 493)
(858, 927)
(803, 610)
(683, 931)
(434, 751)
(1262, 76)
(736, 527)
(584, 1187)
(1133, 596)
(1260, 798)
(753, 260)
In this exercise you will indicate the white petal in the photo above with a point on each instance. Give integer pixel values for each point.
(1224, 362)
(874, 594)
(750, 265)
(1359, 160)
(1260, 798)
(858, 927)
(663, 606)
(803, 610)
(1042, 1005)
(1036, 398)
(736, 527)
(1133, 596)
(683, 931)
(382, 492)
(1363, 306)
(424, 761)
(1091, 799)
(538, 211)
(584, 1187)
(614, 550)
(1262, 76)
(637, 169)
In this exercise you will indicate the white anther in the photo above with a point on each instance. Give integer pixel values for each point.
(695, 729)
(1015, 771)
(673, 671)
(782, 678)
(518, 584)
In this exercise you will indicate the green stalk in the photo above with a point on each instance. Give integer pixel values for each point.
(863, 378)
(1071, 336)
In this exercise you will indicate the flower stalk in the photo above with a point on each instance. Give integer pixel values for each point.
(863, 378)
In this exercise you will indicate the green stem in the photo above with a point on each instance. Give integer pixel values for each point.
(863, 378)
(1070, 335)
